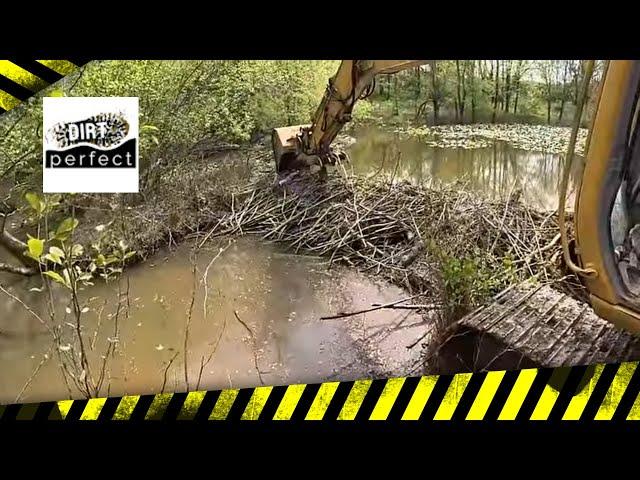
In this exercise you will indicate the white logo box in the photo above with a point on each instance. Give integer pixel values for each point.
(58, 110)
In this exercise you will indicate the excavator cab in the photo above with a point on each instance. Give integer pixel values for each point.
(607, 207)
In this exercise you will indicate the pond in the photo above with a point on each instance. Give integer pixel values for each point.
(256, 318)
(253, 314)
(495, 170)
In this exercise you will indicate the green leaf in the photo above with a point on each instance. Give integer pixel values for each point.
(53, 259)
(65, 228)
(36, 247)
(55, 277)
(101, 261)
(55, 255)
(77, 250)
(56, 252)
(67, 277)
(33, 200)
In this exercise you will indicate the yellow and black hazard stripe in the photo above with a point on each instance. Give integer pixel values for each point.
(600, 392)
(21, 79)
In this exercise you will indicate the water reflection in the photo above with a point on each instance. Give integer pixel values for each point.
(280, 298)
(495, 170)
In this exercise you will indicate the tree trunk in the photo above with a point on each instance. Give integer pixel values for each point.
(435, 94)
(473, 91)
(502, 78)
(515, 99)
(459, 107)
(496, 92)
(17, 269)
(418, 90)
(11, 243)
(507, 89)
(396, 110)
(562, 102)
(464, 90)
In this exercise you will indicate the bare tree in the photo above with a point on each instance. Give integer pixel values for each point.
(436, 92)
(472, 88)
(563, 69)
(546, 69)
(521, 67)
(496, 92)
(507, 85)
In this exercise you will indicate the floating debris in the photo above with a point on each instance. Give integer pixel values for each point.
(536, 138)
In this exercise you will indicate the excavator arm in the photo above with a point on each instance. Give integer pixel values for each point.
(306, 145)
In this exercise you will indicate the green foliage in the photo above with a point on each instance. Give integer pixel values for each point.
(65, 262)
(410, 96)
(65, 229)
(181, 102)
(468, 280)
(364, 111)
(41, 205)
(35, 248)
(464, 283)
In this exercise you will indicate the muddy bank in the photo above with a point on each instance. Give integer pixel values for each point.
(175, 201)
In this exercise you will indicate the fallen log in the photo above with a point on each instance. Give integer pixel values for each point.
(532, 326)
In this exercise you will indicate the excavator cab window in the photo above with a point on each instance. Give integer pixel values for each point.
(625, 213)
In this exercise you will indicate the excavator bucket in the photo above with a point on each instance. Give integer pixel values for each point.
(285, 146)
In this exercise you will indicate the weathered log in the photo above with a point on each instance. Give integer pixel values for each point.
(17, 248)
(533, 326)
(17, 269)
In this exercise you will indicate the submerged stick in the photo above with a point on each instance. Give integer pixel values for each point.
(372, 309)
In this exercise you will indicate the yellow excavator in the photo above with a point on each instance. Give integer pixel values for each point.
(605, 249)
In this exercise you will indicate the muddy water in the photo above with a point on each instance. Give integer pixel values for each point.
(279, 297)
(256, 317)
(493, 170)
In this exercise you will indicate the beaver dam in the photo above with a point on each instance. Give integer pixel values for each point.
(246, 279)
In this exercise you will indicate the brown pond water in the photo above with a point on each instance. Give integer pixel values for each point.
(493, 170)
(280, 297)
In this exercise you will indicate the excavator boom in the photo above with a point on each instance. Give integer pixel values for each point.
(307, 145)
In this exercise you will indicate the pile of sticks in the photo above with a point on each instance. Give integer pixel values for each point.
(394, 228)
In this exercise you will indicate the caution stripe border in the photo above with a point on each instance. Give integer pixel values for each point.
(20, 79)
(598, 392)
(586, 393)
